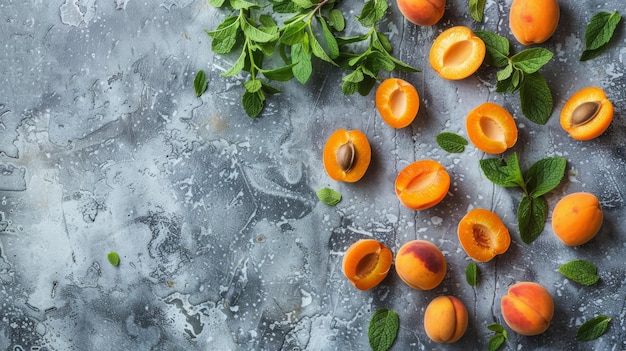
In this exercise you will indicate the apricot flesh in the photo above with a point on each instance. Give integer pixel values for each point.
(533, 21)
(483, 235)
(397, 102)
(422, 12)
(587, 114)
(420, 264)
(491, 128)
(527, 308)
(577, 218)
(347, 155)
(445, 319)
(366, 263)
(457, 53)
(422, 184)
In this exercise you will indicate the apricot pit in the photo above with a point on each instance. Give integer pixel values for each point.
(366, 263)
(491, 128)
(397, 102)
(587, 114)
(577, 218)
(422, 184)
(347, 155)
(420, 264)
(483, 235)
(457, 53)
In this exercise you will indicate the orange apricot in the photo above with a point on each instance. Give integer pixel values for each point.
(347, 155)
(422, 184)
(527, 308)
(491, 128)
(587, 114)
(420, 264)
(483, 235)
(533, 21)
(422, 12)
(457, 53)
(445, 319)
(366, 263)
(577, 218)
(397, 102)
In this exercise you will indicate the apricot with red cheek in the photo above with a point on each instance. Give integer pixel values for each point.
(421, 264)
(527, 308)
(422, 12)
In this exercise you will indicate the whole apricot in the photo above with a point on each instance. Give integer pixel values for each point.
(422, 184)
(347, 155)
(491, 128)
(445, 319)
(457, 53)
(483, 235)
(577, 218)
(421, 264)
(422, 12)
(527, 308)
(366, 263)
(533, 21)
(587, 114)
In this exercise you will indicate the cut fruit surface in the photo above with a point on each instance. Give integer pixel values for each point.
(397, 102)
(366, 263)
(422, 184)
(483, 235)
(491, 128)
(457, 53)
(587, 114)
(347, 155)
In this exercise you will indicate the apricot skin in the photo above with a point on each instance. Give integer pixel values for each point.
(491, 128)
(533, 21)
(361, 161)
(527, 308)
(420, 264)
(422, 12)
(445, 319)
(366, 263)
(577, 218)
(594, 127)
(422, 184)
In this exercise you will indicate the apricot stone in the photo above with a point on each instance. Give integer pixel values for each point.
(533, 21)
(527, 308)
(587, 114)
(422, 12)
(445, 319)
(347, 155)
(577, 218)
(366, 263)
(421, 264)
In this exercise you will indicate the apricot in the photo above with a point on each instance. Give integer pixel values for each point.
(420, 264)
(527, 308)
(397, 102)
(491, 128)
(577, 218)
(422, 184)
(533, 21)
(445, 319)
(483, 235)
(422, 12)
(347, 155)
(457, 53)
(366, 263)
(587, 114)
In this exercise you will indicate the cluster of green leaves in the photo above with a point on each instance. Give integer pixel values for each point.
(543, 176)
(581, 271)
(498, 338)
(451, 142)
(309, 30)
(598, 34)
(383, 329)
(520, 72)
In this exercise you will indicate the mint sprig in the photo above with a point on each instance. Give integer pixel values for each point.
(598, 34)
(593, 328)
(383, 329)
(580, 271)
(499, 337)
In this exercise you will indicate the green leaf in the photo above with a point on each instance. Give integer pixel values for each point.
(531, 60)
(536, 98)
(237, 67)
(216, 3)
(281, 74)
(293, 34)
(495, 327)
(329, 38)
(269, 89)
(496, 341)
(385, 44)
(305, 4)
(336, 20)
(318, 51)
(581, 271)
(199, 83)
(599, 32)
(372, 12)
(383, 329)
(532, 214)
(225, 35)
(506, 173)
(508, 85)
(302, 59)
(497, 48)
(451, 142)
(328, 196)
(253, 85)
(366, 85)
(545, 175)
(253, 103)
(505, 73)
(477, 9)
(268, 22)
(255, 34)
(113, 258)
(471, 274)
(593, 328)
(241, 4)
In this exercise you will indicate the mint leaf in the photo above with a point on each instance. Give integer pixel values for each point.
(536, 98)
(580, 271)
(545, 175)
(253, 103)
(497, 48)
(532, 214)
(471, 274)
(505, 73)
(114, 258)
(502, 172)
(383, 329)
(496, 328)
(331, 42)
(199, 83)
(593, 328)
(336, 20)
(281, 74)
(451, 142)
(302, 58)
(599, 32)
(477, 9)
(372, 12)
(495, 342)
(328, 196)
(531, 60)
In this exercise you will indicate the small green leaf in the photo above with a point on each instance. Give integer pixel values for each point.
(471, 274)
(532, 214)
(545, 175)
(305, 4)
(477, 9)
(505, 73)
(293, 33)
(237, 66)
(113, 258)
(383, 329)
(581, 271)
(329, 38)
(255, 34)
(451, 142)
(302, 59)
(199, 83)
(497, 48)
(506, 173)
(496, 341)
(328, 196)
(216, 3)
(253, 85)
(495, 327)
(531, 60)
(253, 103)
(372, 12)
(318, 51)
(336, 20)
(241, 4)
(536, 98)
(593, 328)
(599, 32)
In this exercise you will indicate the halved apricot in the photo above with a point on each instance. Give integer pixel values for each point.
(422, 184)
(577, 218)
(483, 235)
(457, 53)
(587, 114)
(347, 155)
(533, 21)
(491, 128)
(397, 102)
(366, 263)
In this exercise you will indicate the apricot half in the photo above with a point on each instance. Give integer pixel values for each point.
(491, 128)
(347, 155)
(527, 308)
(397, 102)
(420, 264)
(577, 218)
(483, 235)
(422, 12)
(457, 53)
(445, 319)
(422, 184)
(587, 114)
(366, 263)
(533, 21)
